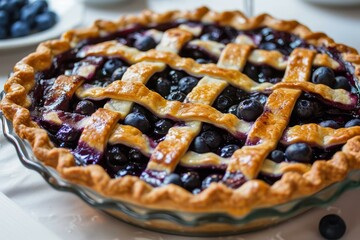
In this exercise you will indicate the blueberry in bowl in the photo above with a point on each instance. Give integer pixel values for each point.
(19, 18)
(194, 115)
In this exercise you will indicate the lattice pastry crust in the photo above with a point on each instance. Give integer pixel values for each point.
(262, 136)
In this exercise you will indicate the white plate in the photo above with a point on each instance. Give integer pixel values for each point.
(70, 14)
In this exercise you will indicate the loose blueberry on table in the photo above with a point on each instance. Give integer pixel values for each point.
(19, 18)
(332, 227)
(177, 87)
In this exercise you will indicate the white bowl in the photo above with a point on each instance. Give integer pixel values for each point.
(335, 2)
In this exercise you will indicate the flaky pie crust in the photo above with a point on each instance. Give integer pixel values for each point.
(217, 197)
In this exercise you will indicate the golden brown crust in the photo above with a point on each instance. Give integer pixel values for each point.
(216, 198)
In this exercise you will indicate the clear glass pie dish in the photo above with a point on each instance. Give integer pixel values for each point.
(176, 222)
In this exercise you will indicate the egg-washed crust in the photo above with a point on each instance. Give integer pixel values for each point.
(217, 197)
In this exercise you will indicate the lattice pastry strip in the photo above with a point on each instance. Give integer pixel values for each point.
(268, 128)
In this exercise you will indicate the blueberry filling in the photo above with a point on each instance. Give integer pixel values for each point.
(263, 73)
(175, 85)
(172, 84)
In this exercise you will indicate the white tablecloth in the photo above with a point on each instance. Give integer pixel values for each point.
(70, 218)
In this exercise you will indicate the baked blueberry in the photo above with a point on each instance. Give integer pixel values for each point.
(299, 152)
(228, 150)
(210, 179)
(203, 61)
(233, 109)
(172, 178)
(212, 139)
(324, 75)
(305, 109)
(163, 86)
(332, 226)
(162, 126)
(85, 107)
(119, 73)
(176, 96)
(343, 83)
(330, 124)
(200, 145)
(138, 120)
(352, 123)
(175, 76)
(186, 84)
(145, 43)
(135, 155)
(115, 158)
(223, 103)
(110, 66)
(249, 109)
(131, 169)
(190, 180)
(277, 156)
(45, 21)
(19, 29)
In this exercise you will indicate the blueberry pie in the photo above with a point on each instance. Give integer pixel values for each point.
(196, 111)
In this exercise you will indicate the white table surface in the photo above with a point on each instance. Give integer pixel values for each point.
(70, 218)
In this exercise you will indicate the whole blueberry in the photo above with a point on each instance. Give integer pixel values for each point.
(45, 21)
(162, 126)
(200, 146)
(305, 109)
(352, 123)
(19, 29)
(212, 139)
(138, 120)
(249, 109)
(299, 152)
(39, 6)
(172, 178)
(118, 73)
(4, 19)
(262, 98)
(175, 76)
(223, 102)
(20, 3)
(228, 150)
(332, 227)
(330, 124)
(110, 66)
(190, 180)
(186, 84)
(139, 109)
(85, 107)
(115, 158)
(28, 14)
(145, 43)
(277, 156)
(3, 33)
(176, 96)
(233, 109)
(324, 75)
(210, 179)
(342, 83)
(135, 155)
(163, 86)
